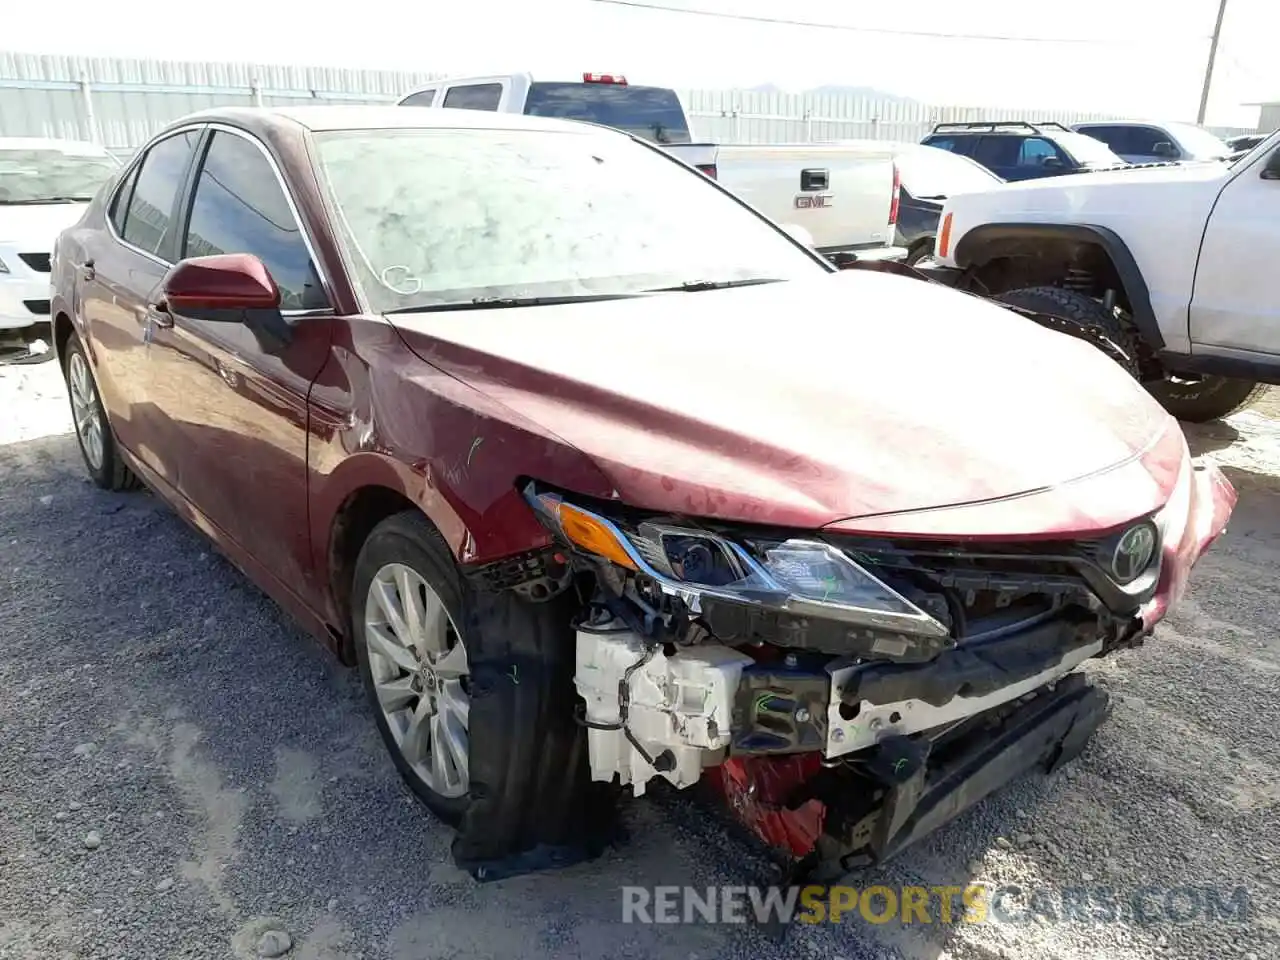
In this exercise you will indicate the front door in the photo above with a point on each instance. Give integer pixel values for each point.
(1235, 305)
(233, 386)
(119, 280)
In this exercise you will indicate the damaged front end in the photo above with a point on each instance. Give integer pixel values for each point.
(844, 694)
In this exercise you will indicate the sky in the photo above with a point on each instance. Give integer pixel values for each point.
(1129, 57)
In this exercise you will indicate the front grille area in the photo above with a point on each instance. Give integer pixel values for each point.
(38, 307)
(36, 261)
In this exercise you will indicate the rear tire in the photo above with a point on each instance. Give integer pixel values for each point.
(922, 249)
(97, 443)
(1206, 398)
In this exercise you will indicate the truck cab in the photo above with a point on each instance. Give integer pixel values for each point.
(841, 199)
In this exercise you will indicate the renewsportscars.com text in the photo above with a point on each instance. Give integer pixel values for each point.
(972, 903)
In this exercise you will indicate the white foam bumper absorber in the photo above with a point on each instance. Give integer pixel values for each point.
(680, 707)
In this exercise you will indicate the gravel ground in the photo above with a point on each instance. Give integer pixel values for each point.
(186, 775)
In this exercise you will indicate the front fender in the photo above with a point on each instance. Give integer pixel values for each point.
(990, 241)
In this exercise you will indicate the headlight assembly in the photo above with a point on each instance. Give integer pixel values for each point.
(803, 578)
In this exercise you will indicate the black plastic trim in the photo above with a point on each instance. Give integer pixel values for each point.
(983, 243)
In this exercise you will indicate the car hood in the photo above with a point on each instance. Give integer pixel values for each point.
(1123, 178)
(35, 226)
(803, 403)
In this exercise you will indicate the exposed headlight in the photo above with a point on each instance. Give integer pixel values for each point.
(806, 578)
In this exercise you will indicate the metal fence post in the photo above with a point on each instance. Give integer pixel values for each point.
(90, 119)
(255, 90)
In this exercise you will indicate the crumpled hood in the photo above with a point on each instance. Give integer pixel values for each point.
(802, 403)
(34, 227)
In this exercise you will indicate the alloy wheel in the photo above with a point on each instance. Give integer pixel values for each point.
(420, 674)
(85, 410)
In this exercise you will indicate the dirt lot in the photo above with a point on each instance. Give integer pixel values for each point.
(183, 770)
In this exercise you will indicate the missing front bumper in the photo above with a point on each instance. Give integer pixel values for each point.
(961, 768)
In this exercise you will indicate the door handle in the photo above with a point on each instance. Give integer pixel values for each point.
(158, 313)
(87, 271)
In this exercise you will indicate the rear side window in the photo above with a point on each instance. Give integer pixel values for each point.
(120, 203)
(998, 151)
(239, 206)
(474, 96)
(148, 222)
(652, 113)
(423, 98)
(1111, 136)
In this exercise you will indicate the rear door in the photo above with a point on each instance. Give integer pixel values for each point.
(119, 286)
(232, 390)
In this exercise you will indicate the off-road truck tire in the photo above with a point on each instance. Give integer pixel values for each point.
(1079, 308)
(1207, 397)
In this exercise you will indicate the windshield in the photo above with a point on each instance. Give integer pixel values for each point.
(653, 113)
(1088, 151)
(434, 217)
(1201, 144)
(51, 175)
(928, 172)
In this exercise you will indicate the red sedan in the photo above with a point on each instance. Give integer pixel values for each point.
(600, 477)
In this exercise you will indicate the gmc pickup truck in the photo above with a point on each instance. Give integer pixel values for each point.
(840, 199)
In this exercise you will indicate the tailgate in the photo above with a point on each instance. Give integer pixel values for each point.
(841, 196)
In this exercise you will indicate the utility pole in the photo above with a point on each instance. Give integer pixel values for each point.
(1213, 54)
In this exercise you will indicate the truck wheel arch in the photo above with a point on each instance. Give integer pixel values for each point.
(993, 241)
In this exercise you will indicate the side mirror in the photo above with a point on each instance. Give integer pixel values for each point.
(798, 233)
(1165, 149)
(228, 281)
(1052, 163)
(1271, 170)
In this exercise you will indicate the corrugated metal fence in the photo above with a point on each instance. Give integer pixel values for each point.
(120, 103)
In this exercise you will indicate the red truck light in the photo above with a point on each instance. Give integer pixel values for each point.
(897, 190)
(708, 168)
(614, 78)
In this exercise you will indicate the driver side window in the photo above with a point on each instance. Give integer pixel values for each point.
(239, 206)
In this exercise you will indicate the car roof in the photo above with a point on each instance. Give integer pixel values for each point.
(361, 117)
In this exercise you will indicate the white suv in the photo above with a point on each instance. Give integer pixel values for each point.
(1156, 142)
(1178, 265)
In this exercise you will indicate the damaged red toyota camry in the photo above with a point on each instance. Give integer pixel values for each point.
(601, 479)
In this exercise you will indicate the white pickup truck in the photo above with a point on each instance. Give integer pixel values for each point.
(1175, 264)
(843, 198)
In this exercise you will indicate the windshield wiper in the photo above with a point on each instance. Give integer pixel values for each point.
(19, 203)
(696, 286)
(498, 303)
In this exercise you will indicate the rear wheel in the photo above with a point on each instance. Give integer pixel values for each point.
(93, 432)
(1201, 399)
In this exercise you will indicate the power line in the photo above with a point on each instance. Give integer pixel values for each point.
(884, 31)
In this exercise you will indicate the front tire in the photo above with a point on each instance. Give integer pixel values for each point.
(1205, 398)
(406, 606)
(527, 781)
(93, 431)
(1079, 308)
